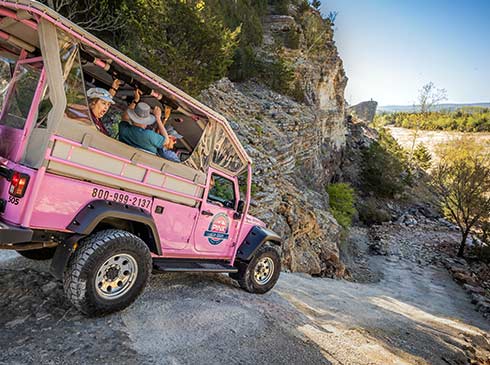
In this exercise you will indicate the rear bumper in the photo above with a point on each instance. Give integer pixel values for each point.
(14, 234)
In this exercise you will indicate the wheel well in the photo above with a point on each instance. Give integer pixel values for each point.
(139, 229)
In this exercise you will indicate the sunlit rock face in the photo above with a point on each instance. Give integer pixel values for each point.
(364, 111)
(296, 146)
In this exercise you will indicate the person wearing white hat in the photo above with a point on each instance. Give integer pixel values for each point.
(137, 135)
(99, 101)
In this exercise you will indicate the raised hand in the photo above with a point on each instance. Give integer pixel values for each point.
(157, 112)
(168, 111)
(115, 84)
(137, 95)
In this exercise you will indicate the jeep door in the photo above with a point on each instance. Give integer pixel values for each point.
(216, 227)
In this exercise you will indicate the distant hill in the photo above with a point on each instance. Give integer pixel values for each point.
(413, 108)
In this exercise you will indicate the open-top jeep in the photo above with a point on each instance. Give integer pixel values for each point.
(106, 213)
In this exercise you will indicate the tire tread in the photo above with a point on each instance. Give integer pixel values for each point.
(75, 285)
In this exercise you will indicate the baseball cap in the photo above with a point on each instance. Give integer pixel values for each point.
(99, 93)
(173, 133)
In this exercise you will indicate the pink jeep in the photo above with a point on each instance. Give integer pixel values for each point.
(106, 213)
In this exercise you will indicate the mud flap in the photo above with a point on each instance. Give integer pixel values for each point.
(62, 255)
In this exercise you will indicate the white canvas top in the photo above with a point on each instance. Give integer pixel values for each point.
(110, 52)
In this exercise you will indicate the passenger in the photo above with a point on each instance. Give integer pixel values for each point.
(167, 151)
(99, 101)
(137, 135)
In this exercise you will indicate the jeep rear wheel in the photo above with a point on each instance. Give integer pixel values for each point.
(38, 254)
(262, 272)
(108, 272)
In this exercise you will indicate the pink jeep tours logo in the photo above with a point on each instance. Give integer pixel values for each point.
(218, 229)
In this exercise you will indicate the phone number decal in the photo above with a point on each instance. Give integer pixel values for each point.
(121, 198)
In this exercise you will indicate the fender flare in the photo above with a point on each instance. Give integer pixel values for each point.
(96, 211)
(254, 240)
(89, 217)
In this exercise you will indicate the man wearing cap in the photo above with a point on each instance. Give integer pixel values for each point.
(137, 135)
(167, 151)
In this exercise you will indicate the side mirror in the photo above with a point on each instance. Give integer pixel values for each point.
(239, 209)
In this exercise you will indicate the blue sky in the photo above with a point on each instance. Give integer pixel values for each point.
(391, 48)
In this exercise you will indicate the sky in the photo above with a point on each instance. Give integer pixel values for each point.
(391, 48)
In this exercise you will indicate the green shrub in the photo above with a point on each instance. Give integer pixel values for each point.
(422, 156)
(244, 64)
(304, 6)
(280, 7)
(245, 14)
(292, 39)
(385, 168)
(370, 214)
(276, 74)
(316, 4)
(483, 253)
(298, 92)
(342, 198)
(468, 119)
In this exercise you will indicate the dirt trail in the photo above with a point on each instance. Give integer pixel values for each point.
(413, 315)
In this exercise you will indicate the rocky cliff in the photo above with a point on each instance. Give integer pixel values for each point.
(296, 146)
(365, 110)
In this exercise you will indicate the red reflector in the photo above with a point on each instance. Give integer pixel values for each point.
(18, 184)
(15, 179)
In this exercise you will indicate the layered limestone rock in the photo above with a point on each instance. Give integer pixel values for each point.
(359, 138)
(304, 42)
(285, 141)
(365, 110)
(296, 146)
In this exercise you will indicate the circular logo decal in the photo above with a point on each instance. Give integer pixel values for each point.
(218, 229)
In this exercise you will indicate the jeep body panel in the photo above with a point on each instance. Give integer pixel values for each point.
(80, 178)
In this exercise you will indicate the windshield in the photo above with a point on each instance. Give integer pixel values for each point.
(6, 71)
(17, 88)
(18, 84)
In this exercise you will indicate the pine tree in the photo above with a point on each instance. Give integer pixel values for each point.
(422, 156)
(316, 4)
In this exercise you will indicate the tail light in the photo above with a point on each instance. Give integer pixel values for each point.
(18, 184)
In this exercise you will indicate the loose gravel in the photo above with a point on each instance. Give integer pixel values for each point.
(409, 312)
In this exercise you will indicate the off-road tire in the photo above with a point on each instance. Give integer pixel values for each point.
(80, 274)
(38, 254)
(246, 271)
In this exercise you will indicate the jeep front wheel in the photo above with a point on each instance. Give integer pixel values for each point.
(262, 272)
(107, 272)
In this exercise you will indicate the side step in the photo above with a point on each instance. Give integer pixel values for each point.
(186, 265)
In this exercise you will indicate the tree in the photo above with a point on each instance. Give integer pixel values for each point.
(429, 96)
(92, 15)
(316, 4)
(462, 181)
(422, 156)
(185, 41)
(384, 167)
(342, 199)
(332, 16)
(180, 40)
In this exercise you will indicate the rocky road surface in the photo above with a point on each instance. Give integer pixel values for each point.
(408, 313)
